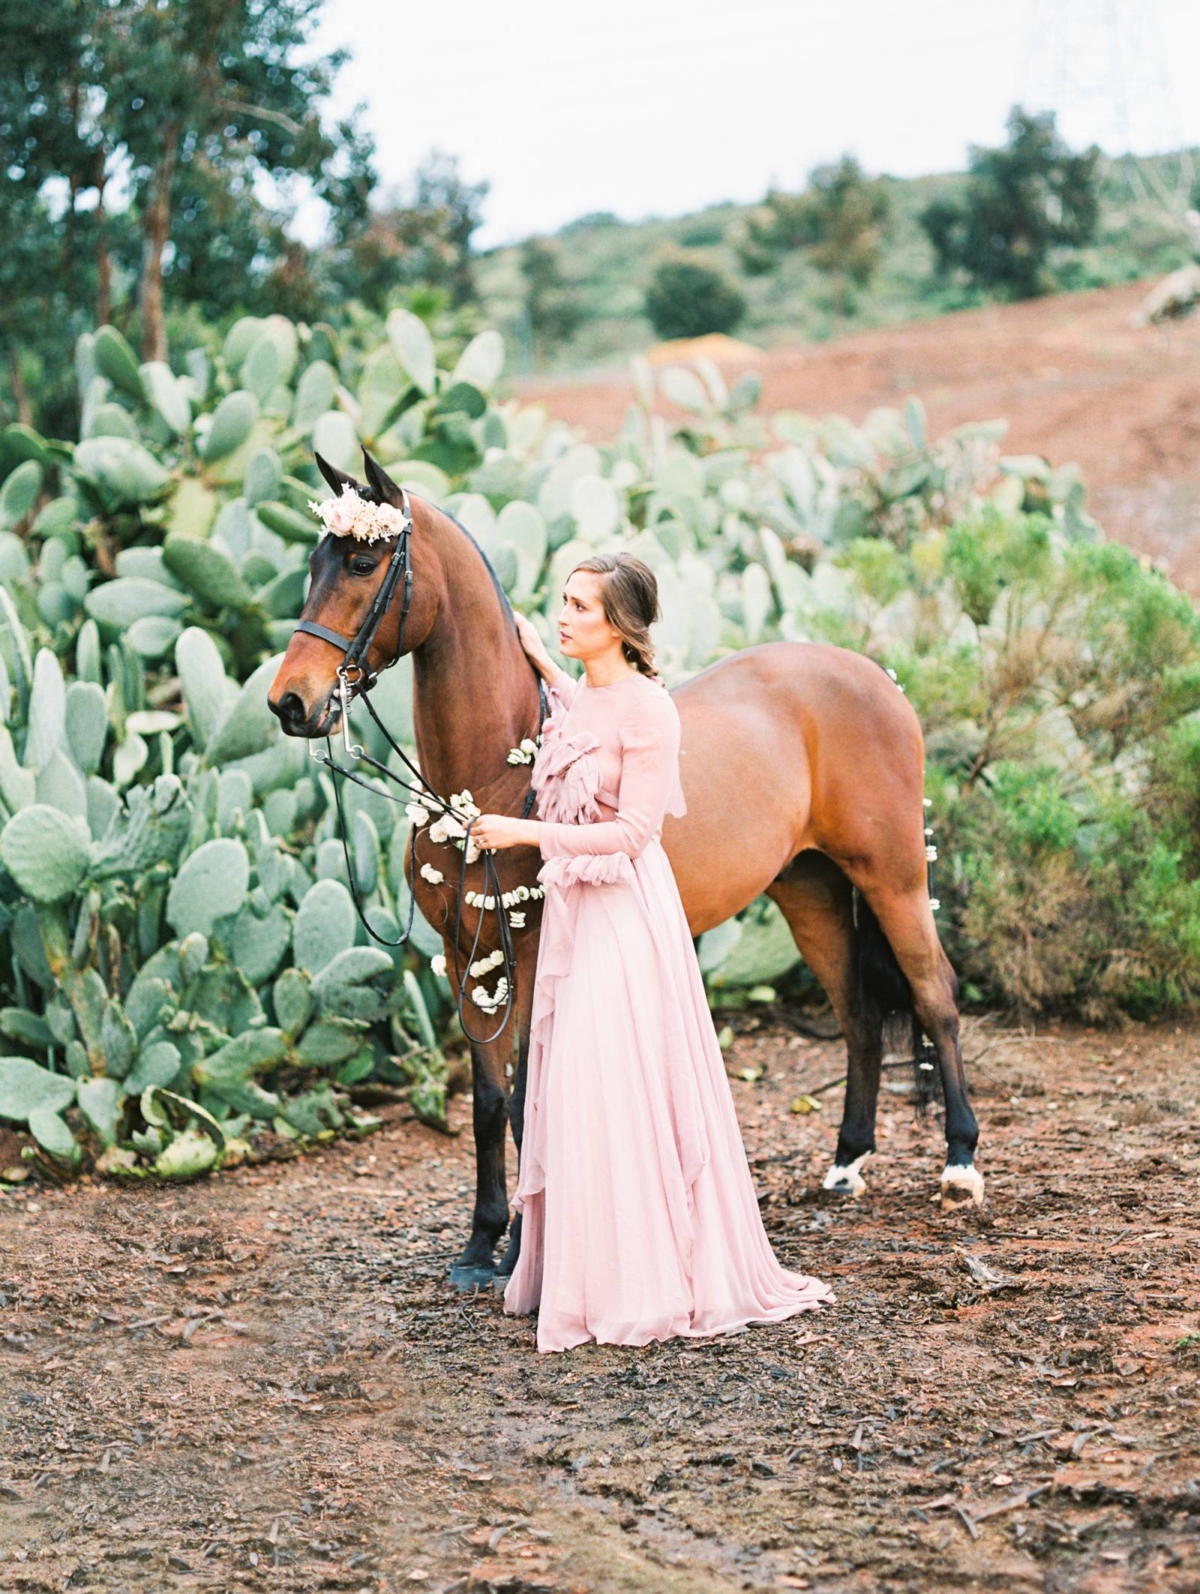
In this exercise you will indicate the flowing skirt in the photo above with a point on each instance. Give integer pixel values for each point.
(639, 1217)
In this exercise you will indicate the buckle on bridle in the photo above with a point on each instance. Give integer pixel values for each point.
(345, 696)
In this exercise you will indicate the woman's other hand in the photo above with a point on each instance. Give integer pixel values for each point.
(496, 831)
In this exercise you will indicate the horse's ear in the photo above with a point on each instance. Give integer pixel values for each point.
(382, 484)
(336, 478)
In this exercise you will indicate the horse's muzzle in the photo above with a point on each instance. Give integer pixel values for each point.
(295, 718)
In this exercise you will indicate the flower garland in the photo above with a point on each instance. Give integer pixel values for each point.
(453, 827)
(350, 515)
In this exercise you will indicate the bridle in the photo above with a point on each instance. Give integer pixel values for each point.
(357, 648)
(355, 679)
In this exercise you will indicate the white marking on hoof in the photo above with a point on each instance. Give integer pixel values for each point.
(961, 1187)
(847, 1180)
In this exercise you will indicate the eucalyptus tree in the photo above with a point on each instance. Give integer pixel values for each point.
(137, 133)
(225, 88)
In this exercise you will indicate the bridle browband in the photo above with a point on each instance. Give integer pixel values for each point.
(355, 679)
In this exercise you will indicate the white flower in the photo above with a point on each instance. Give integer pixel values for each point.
(931, 854)
(444, 828)
(525, 753)
(490, 1003)
(934, 903)
(438, 963)
(350, 515)
(418, 813)
(434, 876)
(927, 801)
(485, 965)
(517, 920)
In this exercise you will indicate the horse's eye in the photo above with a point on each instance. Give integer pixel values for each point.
(362, 567)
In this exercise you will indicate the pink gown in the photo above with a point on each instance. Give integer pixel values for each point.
(639, 1218)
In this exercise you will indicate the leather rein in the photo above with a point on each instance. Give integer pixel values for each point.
(355, 679)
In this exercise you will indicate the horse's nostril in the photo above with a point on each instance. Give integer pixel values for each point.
(290, 708)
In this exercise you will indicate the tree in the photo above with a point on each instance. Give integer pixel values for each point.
(840, 221)
(551, 304)
(56, 253)
(420, 239)
(1022, 202)
(217, 88)
(190, 103)
(687, 299)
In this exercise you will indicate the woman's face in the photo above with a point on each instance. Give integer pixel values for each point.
(583, 631)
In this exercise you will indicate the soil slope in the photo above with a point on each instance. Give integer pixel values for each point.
(1074, 379)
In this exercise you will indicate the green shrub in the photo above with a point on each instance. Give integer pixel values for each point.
(687, 299)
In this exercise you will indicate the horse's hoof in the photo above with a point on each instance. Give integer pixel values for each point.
(846, 1180)
(961, 1187)
(471, 1278)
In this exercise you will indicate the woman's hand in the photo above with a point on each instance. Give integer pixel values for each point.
(493, 832)
(531, 641)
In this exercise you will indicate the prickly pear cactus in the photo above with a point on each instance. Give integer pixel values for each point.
(186, 989)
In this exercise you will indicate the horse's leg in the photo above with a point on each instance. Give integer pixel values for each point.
(816, 899)
(907, 921)
(490, 1118)
(516, 1117)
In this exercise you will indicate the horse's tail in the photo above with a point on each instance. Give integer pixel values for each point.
(883, 987)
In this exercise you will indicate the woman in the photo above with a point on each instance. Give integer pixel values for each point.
(639, 1218)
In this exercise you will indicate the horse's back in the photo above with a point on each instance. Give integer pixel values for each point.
(788, 745)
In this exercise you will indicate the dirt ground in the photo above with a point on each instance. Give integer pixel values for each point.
(265, 1380)
(1075, 381)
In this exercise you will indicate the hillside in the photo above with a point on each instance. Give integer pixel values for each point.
(1075, 381)
(609, 264)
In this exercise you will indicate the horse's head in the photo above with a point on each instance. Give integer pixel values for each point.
(347, 577)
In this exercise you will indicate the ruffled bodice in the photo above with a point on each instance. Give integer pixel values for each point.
(566, 771)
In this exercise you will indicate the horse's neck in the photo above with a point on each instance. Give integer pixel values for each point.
(474, 693)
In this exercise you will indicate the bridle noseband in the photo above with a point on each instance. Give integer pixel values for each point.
(355, 679)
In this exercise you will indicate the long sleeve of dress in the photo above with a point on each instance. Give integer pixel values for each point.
(649, 772)
(562, 685)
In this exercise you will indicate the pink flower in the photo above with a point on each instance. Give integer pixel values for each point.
(343, 513)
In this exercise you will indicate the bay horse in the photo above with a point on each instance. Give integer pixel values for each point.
(803, 773)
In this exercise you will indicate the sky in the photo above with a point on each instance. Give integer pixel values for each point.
(660, 107)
